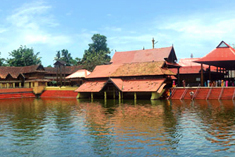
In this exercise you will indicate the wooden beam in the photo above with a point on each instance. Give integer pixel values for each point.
(209, 72)
(178, 76)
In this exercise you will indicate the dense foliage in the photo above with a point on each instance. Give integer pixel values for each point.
(65, 56)
(97, 54)
(2, 61)
(23, 56)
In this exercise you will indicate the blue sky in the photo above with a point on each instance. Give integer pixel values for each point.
(195, 27)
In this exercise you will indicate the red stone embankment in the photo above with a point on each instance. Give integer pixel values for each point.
(59, 92)
(12, 93)
(204, 93)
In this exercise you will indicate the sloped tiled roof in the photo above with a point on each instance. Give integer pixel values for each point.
(104, 70)
(14, 72)
(148, 55)
(143, 85)
(146, 85)
(130, 69)
(189, 62)
(141, 69)
(118, 82)
(60, 62)
(226, 53)
(91, 86)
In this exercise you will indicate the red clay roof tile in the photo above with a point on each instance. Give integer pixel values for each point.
(146, 85)
(219, 54)
(91, 86)
(143, 85)
(103, 71)
(16, 71)
(130, 69)
(148, 55)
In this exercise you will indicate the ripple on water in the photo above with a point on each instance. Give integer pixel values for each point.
(51, 127)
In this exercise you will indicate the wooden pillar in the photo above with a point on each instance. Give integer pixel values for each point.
(120, 97)
(92, 96)
(105, 95)
(14, 84)
(60, 76)
(201, 75)
(64, 77)
(178, 76)
(135, 98)
(57, 71)
(223, 72)
(7, 85)
(209, 72)
(20, 84)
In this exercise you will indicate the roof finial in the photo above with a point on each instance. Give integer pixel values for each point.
(153, 42)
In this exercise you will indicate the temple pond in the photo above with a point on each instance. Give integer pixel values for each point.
(70, 127)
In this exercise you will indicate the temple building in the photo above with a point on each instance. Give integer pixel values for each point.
(34, 76)
(132, 74)
(223, 58)
(57, 74)
(27, 76)
(190, 72)
(216, 76)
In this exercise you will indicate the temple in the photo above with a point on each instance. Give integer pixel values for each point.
(215, 77)
(132, 74)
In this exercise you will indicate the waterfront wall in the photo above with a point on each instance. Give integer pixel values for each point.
(204, 93)
(59, 92)
(12, 93)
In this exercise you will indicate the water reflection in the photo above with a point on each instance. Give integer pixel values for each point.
(70, 127)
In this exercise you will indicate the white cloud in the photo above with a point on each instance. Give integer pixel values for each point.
(198, 33)
(2, 30)
(30, 24)
(33, 25)
(32, 16)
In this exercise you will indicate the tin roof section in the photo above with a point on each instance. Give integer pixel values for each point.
(79, 74)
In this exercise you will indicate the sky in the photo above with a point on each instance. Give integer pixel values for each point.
(47, 26)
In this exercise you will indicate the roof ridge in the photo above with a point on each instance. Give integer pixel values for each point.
(144, 49)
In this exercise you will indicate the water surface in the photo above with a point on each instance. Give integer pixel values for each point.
(69, 127)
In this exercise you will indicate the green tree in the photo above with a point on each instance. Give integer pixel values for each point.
(65, 56)
(97, 53)
(23, 56)
(2, 61)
